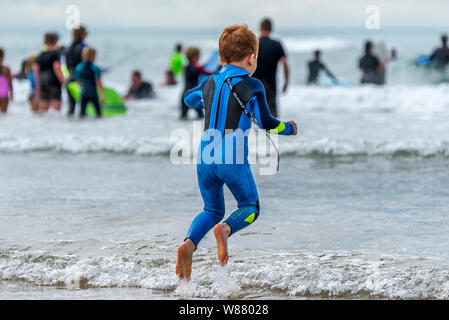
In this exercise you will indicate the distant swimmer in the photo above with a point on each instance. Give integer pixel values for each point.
(441, 55)
(271, 53)
(6, 89)
(88, 74)
(192, 77)
(73, 57)
(177, 61)
(48, 76)
(139, 89)
(315, 66)
(371, 66)
(230, 98)
(170, 79)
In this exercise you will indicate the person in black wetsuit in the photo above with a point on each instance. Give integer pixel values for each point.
(315, 66)
(192, 76)
(73, 58)
(270, 53)
(139, 89)
(371, 67)
(48, 75)
(441, 55)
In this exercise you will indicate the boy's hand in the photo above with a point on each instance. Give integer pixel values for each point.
(295, 127)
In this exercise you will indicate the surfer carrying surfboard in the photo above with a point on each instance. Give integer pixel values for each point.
(231, 99)
(315, 66)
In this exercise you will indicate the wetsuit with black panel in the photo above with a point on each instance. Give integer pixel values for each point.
(192, 76)
(73, 58)
(223, 151)
(50, 87)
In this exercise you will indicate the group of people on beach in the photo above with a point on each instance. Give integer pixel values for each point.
(56, 66)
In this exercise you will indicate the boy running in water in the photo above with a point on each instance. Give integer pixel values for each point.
(88, 75)
(229, 98)
(6, 90)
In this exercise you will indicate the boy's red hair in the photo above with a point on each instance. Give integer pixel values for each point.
(236, 43)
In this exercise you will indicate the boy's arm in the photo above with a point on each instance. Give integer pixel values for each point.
(58, 72)
(101, 89)
(202, 70)
(265, 119)
(194, 97)
(97, 73)
(37, 83)
(328, 72)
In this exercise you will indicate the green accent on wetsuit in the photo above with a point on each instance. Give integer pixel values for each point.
(278, 129)
(250, 218)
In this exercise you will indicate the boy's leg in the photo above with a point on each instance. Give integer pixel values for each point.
(56, 97)
(43, 105)
(212, 192)
(56, 104)
(96, 104)
(84, 101)
(4, 104)
(184, 109)
(240, 181)
(72, 104)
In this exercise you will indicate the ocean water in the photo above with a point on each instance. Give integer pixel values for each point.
(95, 209)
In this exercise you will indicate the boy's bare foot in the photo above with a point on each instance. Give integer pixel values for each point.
(221, 232)
(184, 262)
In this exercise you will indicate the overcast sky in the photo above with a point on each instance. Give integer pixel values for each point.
(219, 13)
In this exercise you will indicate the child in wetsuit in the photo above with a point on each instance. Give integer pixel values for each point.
(48, 76)
(6, 91)
(192, 75)
(230, 98)
(88, 75)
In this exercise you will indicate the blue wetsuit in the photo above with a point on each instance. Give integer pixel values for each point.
(87, 74)
(223, 151)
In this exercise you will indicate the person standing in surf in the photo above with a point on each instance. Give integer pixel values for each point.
(192, 78)
(73, 56)
(230, 98)
(48, 76)
(315, 66)
(271, 53)
(6, 89)
(88, 74)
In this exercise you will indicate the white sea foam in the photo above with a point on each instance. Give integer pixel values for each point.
(309, 44)
(277, 274)
(336, 121)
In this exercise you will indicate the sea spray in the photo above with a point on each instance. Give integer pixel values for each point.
(185, 289)
(223, 285)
